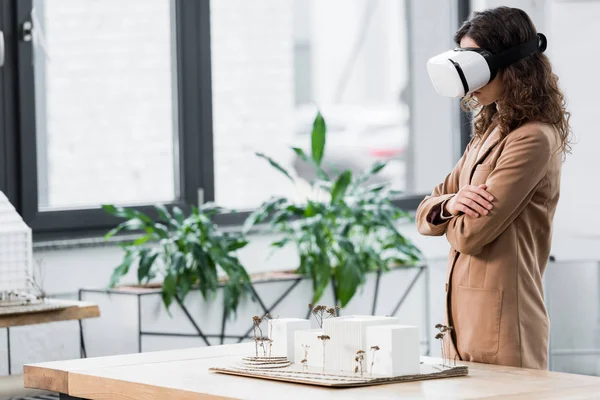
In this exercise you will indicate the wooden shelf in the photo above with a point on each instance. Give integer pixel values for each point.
(73, 310)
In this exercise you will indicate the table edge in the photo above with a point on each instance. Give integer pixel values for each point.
(85, 310)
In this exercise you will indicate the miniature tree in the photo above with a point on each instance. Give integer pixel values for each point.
(256, 321)
(443, 330)
(304, 361)
(259, 339)
(440, 337)
(270, 339)
(374, 349)
(360, 360)
(324, 338)
(322, 312)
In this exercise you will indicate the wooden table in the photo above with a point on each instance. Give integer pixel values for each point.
(184, 375)
(74, 310)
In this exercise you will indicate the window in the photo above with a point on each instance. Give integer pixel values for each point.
(143, 101)
(106, 122)
(274, 61)
(103, 102)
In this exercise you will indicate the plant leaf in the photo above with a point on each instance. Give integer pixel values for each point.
(281, 243)
(262, 213)
(163, 212)
(131, 213)
(348, 277)
(303, 155)
(236, 244)
(161, 230)
(236, 285)
(169, 289)
(340, 186)
(310, 210)
(276, 165)
(318, 136)
(140, 241)
(321, 277)
(178, 215)
(320, 172)
(252, 219)
(207, 271)
(122, 269)
(110, 209)
(129, 225)
(147, 258)
(177, 262)
(211, 209)
(322, 269)
(376, 168)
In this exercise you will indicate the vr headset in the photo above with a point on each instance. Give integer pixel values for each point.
(462, 71)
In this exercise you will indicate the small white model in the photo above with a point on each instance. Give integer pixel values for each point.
(348, 335)
(281, 334)
(393, 350)
(308, 346)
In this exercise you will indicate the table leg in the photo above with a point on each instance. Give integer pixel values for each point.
(82, 351)
(8, 349)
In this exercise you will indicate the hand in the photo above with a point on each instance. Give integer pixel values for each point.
(471, 200)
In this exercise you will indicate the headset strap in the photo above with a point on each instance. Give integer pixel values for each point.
(514, 54)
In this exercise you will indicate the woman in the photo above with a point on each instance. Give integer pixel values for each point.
(496, 207)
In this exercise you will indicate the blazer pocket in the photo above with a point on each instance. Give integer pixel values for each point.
(478, 320)
(482, 171)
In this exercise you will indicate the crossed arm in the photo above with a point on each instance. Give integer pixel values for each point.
(518, 171)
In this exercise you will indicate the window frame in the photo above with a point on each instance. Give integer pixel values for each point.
(17, 112)
(465, 119)
(194, 141)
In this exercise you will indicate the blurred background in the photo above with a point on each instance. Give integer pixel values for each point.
(137, 102)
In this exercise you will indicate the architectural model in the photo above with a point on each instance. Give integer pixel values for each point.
(15, 256)
(346, 351)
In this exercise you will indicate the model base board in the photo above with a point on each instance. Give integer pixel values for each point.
(316, 376)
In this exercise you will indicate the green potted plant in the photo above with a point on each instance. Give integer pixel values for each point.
(185, 252)
(342, 238)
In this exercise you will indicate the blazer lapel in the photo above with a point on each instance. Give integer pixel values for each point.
(487, 144)
(480, 151)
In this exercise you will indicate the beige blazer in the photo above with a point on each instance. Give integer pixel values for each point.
(494, 297)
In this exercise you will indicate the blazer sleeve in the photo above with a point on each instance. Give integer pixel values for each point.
(518, 171)
(428, 216)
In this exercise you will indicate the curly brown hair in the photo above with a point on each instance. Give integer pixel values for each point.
(531, 91)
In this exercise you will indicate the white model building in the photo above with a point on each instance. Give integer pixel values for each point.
(15, 253)
(281, 332)
(399, 350)
(314, 351)
(348, 335)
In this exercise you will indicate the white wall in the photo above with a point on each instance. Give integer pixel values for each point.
(569, 24)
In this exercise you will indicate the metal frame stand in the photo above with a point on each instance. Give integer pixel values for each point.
(8, 350)
(422, 271)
